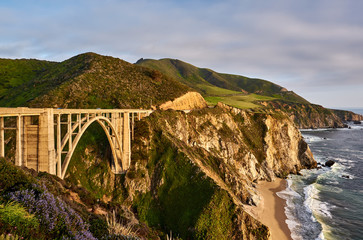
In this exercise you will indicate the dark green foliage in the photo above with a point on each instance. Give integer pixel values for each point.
(98, 227)
(90, 163)
(216, 220)
(182, 195)
(12, 178)
(16, 72)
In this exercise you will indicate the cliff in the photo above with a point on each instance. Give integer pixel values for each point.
(188, 101)
(311, 115)
(201, 167)
(348, 115)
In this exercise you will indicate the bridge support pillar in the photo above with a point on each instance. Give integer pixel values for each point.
(116, 120)
(2, 138)
(126, 141)
(46, 151)
(29, 143)
(19, 148)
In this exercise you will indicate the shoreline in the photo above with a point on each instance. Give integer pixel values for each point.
(271, 209)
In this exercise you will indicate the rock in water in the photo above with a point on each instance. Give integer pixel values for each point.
(329, 163)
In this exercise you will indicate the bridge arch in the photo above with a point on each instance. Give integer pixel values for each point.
(112, 136)
(46, 138)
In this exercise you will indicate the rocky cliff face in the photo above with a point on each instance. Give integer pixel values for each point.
(310, 115)
(348, 115)
(216, 154)
(188, 101)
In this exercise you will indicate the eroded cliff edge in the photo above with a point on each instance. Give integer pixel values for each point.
(312, 115)
(192, 172)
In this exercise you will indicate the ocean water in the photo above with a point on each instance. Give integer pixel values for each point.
(327, 203)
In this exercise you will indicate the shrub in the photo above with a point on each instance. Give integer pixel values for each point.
(14, 217)
(56, 218)
(12, 177)
(9, 237)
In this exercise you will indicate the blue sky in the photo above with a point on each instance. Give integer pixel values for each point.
(313, 47)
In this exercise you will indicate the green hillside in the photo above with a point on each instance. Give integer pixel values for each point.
(238, 91)
(14, 73)
(88, 81)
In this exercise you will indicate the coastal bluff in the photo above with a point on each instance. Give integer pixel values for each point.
(216, 154)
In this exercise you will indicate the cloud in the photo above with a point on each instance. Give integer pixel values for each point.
(303, 45)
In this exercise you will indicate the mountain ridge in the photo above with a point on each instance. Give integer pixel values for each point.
(90, 80)
(251, 93)
(195, 77)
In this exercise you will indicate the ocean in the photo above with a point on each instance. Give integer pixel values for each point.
(327, 203)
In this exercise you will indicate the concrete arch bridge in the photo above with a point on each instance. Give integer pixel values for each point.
(46, 138)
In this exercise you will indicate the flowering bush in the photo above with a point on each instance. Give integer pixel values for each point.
(15, 218)
(55, 216)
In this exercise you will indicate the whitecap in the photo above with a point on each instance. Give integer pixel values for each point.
(314, 205)
(311, 138)
(314, 129)
(292, 222)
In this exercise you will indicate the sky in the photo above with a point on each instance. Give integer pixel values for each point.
(312, 47)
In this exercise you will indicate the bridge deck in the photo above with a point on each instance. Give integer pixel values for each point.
(24, 111)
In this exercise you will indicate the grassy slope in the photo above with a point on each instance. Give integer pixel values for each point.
(238, 91)
(14, 73)
(94, 81)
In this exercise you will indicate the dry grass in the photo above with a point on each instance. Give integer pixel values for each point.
(115, 227)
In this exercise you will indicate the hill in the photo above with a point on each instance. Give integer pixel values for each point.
(86, 81)
(250, 93)
(235, 90)
(14, 73)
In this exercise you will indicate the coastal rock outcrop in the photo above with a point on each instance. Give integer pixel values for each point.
(188, 101)
(311, 115)
(348, 115)
(329, 163)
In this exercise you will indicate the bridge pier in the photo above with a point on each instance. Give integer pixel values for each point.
(2, 138)
(126, 145)
(46, 151)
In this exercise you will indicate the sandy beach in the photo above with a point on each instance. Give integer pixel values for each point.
(270, 210)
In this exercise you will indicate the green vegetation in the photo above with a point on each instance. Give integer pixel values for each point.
(239, 101)
(184, 198)
(14, 73)
(238, 91)
(14, 217)
(216, 220)
(177, 203)
(91, 81)
(89, 165)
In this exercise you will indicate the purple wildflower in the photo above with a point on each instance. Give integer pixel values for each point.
(53, 213)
